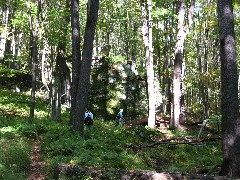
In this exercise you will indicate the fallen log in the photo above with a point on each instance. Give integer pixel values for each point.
(66, 171)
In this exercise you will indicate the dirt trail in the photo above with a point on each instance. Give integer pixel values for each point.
(36, 163)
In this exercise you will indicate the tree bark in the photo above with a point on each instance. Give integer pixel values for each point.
(229, 79)
(61, 71)
(182, 32)
(5, 31)
(34, 56)
(178, 64)
(85, 71)
(147, 36)
(76, 62)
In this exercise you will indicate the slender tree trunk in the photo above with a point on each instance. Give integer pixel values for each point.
(34, 56)
(18, 46)
(9, 49)
(229, 79)
(76, 62)
(8, 54)
(34, 69)
(4, 33)
(150, 72)
(56, 98)
(167, 65)
(45, 66)
(206, 70)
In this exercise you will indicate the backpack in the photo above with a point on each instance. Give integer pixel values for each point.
(119, 116)
(88, 120)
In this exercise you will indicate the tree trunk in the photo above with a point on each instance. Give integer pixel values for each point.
(34, 69)
(9, 49)
(178, 64)
(85, 71)
(229, 79)
(177, 78)
(76, 62)
(61, 70)
(34, 56)
(4, 31)
(206, 70)
(147, 36)
(167, 66)
(8, 53)
(150, 71)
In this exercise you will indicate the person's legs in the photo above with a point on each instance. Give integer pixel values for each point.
(89, 127)
(121, 123)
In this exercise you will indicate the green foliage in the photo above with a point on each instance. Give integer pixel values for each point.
(180, 158)
(115, 86)
(15, 153)
(20, 19)
(12, 77)
(28, 131)
(104, 147)
(161, 12)
(17, 104)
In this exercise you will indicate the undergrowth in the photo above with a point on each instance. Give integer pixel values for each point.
(104, 147)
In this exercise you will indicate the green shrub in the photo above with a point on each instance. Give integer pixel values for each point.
(28, 131)
(11, 77)
(14, 157)
(105, 146)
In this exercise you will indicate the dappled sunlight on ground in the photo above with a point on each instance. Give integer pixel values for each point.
(36, 163)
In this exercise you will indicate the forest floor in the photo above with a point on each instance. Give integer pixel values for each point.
(36, 162)
(45, 146)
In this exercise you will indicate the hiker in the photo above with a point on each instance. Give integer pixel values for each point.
(88, 120)
(120, 118)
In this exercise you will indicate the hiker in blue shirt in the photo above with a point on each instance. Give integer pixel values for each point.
(120, 118)
(88, 120)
